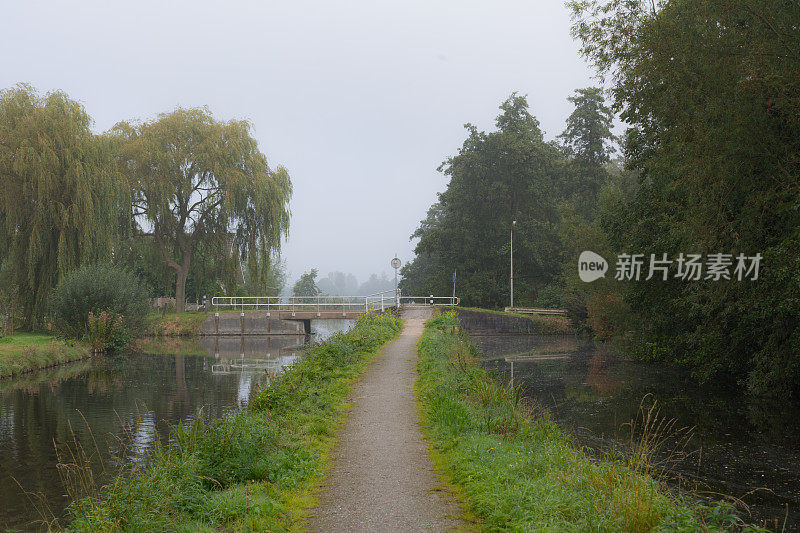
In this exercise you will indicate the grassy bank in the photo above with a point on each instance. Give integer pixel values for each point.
(174, 324)
(517, 470)
(24, 352)
(253, 471)
(542, 324)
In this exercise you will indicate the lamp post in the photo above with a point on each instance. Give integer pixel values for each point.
(513, 223)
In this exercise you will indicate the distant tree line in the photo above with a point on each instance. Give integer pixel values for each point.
(186, 202)
(340, 284)
(710, 163)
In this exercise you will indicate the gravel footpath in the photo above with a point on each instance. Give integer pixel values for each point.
(381, 477)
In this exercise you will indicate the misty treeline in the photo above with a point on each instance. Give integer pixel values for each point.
(186, 202)
(340, 284)
(709, 92)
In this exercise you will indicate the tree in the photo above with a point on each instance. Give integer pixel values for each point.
(339, 284)
(59, 196)
(306, 285)
(496, 178)
(587, 145)
(711, 92)
(266, 283)
(200, 182)
(375, 284)
(587, 142)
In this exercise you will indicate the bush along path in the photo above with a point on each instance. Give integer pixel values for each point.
(382, 478)
(517, 470)
(254, 471)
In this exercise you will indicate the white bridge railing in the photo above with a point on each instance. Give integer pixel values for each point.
(374, 302)
(449, 301)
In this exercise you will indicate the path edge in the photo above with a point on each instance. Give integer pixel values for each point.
(448, 486)
(306, 499)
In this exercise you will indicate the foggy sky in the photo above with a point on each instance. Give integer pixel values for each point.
(360, 101)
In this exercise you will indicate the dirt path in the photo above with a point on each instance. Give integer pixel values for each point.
(382, 478)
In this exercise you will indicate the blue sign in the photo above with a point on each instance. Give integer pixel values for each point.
(454, 276)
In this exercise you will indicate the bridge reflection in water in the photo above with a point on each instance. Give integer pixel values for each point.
(257, 360)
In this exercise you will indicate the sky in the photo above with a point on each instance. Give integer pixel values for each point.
(361, 101)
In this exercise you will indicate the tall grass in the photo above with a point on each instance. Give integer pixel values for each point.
(518, 471)
(252, 471)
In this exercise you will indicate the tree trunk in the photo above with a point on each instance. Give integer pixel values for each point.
(180, 289)
(181, 270)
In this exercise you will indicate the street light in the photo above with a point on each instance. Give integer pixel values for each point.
(514, 223)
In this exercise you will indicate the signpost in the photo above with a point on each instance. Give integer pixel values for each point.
(514, 223)
(395, 265)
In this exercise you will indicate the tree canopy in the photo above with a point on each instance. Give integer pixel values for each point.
(200, 183)
(711, 92)
(59, 196)
(307, 284)
(496, 178)
(588, 146)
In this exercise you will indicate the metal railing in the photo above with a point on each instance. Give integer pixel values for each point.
(448, 301)
(373, 302)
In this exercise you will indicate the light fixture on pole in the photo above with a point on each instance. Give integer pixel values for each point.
(514, 223)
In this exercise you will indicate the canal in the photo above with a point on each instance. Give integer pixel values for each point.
(740, 446)
(115, 407)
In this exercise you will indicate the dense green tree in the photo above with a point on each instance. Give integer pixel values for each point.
(588, 144)
(419, 275)
(711, 90)
(59, 196)
(507, 175)
(307, 284)
(200, 182)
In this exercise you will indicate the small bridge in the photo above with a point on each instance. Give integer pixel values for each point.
(307, 308)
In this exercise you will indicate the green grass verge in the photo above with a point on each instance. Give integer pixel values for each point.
(24, 352)
(174, 324)
(542, 324)
(255, 471)
(516, 470)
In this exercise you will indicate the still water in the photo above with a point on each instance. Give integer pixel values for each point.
(740, 446)
(123, 403)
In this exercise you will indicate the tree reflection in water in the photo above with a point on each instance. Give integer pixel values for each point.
(128, 401)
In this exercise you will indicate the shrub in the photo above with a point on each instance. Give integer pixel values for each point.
(107, 332)
(94, 289)
(608, 314)
(550, 296)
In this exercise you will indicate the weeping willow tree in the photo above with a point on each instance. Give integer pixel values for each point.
(59, 196)
(197, 181)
